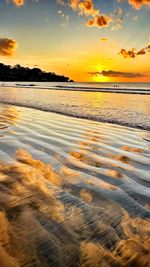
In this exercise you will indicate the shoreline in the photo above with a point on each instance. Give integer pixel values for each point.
(137, 127)
(95, 90)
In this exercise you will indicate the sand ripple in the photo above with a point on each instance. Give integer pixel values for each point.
(72, 192)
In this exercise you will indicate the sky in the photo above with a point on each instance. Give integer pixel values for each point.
(86, 40)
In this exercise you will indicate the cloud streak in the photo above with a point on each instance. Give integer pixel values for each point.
(112, 73)
(7, 46)
(104, 39)
(65, 19)
(132, 53)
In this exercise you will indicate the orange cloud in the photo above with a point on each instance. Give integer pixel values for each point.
(132, 53)
(7, 46)
(99, 21)
(86, 7)
(19, 2)
(74, 4)
(139, 3)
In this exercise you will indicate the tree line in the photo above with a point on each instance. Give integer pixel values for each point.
(19, 73)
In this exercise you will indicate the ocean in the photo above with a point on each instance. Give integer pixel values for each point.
(87, 86)
(126, 104)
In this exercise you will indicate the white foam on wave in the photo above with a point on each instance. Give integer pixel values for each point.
(124, 109)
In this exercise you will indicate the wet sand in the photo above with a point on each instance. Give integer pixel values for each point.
(73, 192)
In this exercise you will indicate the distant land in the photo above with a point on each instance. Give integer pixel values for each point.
(25, 74)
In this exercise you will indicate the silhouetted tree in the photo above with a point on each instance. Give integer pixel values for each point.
(19, 73)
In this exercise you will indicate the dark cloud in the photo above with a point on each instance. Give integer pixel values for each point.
(132, 53)
(128, 53)
(148, 48)
(7, 46)
(141, 52)
(111, 73)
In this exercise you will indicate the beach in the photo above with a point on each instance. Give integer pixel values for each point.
(73, 191)
(74, 133)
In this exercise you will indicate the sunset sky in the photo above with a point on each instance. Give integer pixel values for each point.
(88, 40)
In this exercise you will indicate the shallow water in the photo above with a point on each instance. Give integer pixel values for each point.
(137, 88)
(124, 109)
(73, 192)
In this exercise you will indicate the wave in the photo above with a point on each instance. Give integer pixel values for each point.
(74, 114)
(124, 109)
(85, 87)
(72, 192)
(115, 89)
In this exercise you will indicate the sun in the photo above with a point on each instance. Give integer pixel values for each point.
(100, 78)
